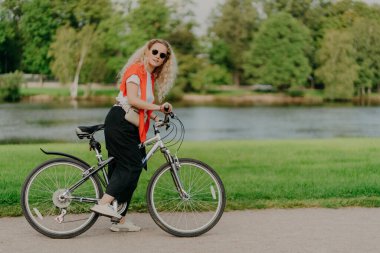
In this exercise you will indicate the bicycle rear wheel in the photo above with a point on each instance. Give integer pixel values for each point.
(43, 205)
(191, 216)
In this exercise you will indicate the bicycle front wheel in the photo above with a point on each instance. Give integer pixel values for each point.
(194, 214)
(52, 212)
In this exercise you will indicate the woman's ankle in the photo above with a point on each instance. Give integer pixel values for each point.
(106, 199)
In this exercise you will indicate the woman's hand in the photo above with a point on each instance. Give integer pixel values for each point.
(166, 105)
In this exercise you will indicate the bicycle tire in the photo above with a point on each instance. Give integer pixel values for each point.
(188, 169)
(40, 193)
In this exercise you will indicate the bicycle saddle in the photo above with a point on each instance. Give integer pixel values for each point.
(87, 131)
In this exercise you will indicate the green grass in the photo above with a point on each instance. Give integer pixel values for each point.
(64, 91)
(257, 174)
(56, 92)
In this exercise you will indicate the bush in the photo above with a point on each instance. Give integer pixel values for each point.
(175, 94)
(210, 75)
(296, 92)
(10, 86)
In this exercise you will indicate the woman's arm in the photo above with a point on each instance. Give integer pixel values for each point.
(135, 101)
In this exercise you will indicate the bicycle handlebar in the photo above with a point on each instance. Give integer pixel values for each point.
(166, 120)
(166, 108)
(166, 123)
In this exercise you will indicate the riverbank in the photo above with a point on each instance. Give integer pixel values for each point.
(250, 100)
(257, 174)
(105, 95)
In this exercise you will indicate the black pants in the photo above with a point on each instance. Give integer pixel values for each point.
(122, 140)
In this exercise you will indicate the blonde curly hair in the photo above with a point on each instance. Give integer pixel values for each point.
(165, 74)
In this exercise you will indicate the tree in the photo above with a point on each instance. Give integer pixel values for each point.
(185, 43)
(210, 75)
(329, 15)
(338, 69)
(70, 50)
(110, 52)
(150, 19)
(297, 8)
(366, 41)
(232, 27)
(10, 39)
(85, 41)
(63, 52)
(82, 34)
(7, 37)
(277, 56)
(38, 26)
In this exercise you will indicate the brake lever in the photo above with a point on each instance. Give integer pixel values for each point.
(167, 115)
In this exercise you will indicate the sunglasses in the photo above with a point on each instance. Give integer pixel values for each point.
(162, 55)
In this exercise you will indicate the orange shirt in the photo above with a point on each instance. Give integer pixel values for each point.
(139, 70)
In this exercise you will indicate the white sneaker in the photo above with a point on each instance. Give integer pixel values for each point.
(106, 210)
(127, 226)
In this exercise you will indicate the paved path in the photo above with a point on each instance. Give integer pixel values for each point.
(292, 230)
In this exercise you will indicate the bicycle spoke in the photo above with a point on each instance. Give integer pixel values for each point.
(194, 213)
(43, 206)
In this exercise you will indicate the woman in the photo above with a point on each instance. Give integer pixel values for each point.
(153, 65)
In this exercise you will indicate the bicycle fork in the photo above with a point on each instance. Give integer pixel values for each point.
(175, 166)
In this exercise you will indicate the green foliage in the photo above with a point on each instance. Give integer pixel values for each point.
(10, 41)
(52, 37)
(112, 38)
(6, 38)
(366, 41)
(175, 94)
(338, 69)
(89, 47)
(186, 47)
(232, 27)
(295, 92)
(80, 48)
(182, 39)
(181, 23)
(220, 54)
(188, 65)
(210, 75)
(343, 14)
(150, 19)
(10, 86)
(297, 8)
(104, 41)
(327, 15)
(277, 56)
(38, 27)
(62, 50)
(91, 12)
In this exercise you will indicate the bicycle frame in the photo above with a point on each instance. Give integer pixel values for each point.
(172, 160)
(92, 171)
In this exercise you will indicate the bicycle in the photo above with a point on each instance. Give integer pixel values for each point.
(185, 197)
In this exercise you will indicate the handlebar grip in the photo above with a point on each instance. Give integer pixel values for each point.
(166, 108)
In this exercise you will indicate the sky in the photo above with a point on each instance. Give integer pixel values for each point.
(203, 8)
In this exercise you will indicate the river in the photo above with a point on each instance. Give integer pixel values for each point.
(53, 122)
